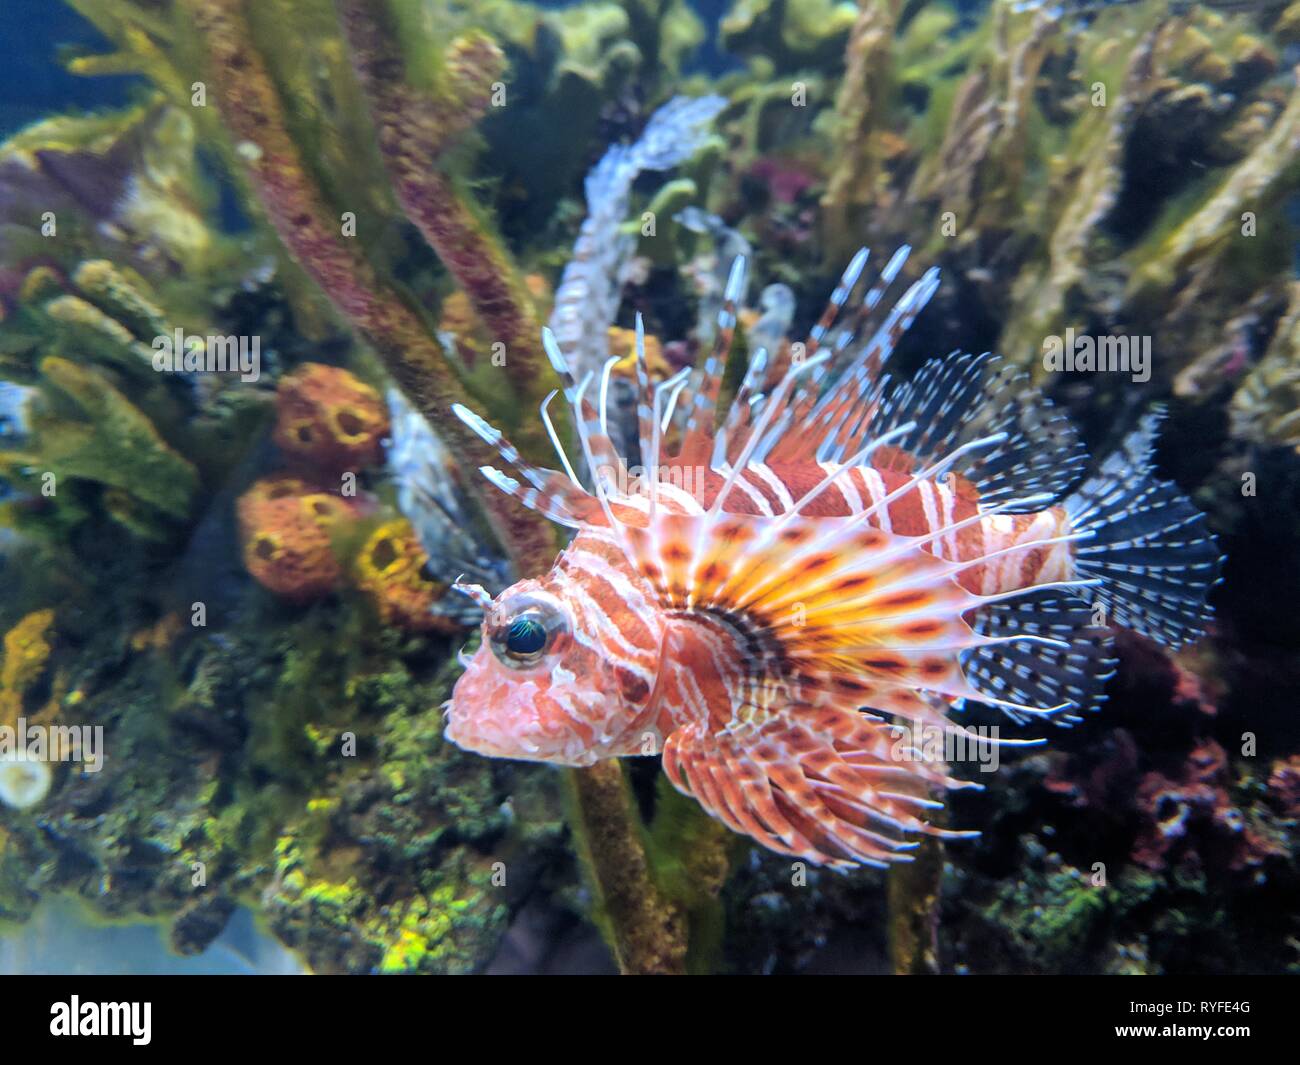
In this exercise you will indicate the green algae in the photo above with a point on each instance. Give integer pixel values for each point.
(109, 441)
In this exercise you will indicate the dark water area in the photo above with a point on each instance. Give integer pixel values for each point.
(32, 82)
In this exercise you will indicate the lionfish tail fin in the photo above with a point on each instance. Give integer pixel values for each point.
(1150, 547)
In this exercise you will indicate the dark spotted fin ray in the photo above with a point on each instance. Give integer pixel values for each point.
(963, 397)
(839, 296)
(824, 422)
(706, 383)
(1047, 653)
(1151, 548)
(838, 345)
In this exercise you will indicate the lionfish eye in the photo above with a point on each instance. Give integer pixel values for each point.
(528, 635)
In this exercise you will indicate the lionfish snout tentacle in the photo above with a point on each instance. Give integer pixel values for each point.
(476, 592)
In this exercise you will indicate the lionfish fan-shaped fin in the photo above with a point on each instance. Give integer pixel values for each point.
(1042, 650)
(963, 397)
(838, 297)
(1151, 547)
(556, 500)
(706, 382)
(821, 783)
(819, 596)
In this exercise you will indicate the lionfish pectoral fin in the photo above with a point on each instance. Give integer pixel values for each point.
(1044, 651)
(825, 784)
(837, 604)
(1150, 546)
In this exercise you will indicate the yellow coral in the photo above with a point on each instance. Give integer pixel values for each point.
(26, 652)
(622, 342)
(391, 569)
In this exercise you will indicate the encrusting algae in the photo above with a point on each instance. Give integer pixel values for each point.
(25, 781)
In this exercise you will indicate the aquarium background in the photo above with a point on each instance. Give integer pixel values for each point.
(245, 583)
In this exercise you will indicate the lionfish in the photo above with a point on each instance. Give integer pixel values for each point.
(854, 555)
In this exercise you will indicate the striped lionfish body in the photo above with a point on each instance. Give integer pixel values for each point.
(767, 604)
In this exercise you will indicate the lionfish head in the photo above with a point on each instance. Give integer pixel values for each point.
(562, 676)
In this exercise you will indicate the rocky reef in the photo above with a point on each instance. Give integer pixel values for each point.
(236, 561)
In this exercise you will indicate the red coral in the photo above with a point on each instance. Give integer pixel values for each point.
(1105, 780)
(1284, 786)
(785, 180)
(1191, 818)
(1151, 673)
(329, 420)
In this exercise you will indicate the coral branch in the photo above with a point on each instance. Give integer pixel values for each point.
(647, 933)
(414, 129)
(253, 111)
(859, 112)
(1264, 176)
(914, 911)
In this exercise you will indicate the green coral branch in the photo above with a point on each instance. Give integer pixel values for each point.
(647, 931)
(1255, 184)
(860, 110)
(913, 900)
(116, 446)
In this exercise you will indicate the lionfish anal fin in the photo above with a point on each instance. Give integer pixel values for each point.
(823, 783)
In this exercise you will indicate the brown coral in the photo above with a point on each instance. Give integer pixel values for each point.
(288, 529)
(329, 419)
